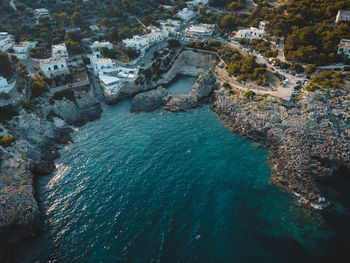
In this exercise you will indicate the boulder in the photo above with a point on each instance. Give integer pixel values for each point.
(149, 101)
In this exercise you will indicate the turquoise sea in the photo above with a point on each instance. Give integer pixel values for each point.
(171, 187)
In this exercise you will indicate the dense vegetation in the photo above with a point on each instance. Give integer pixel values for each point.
(326, 79)
(262, 46)
(308, 26)
(242, 67)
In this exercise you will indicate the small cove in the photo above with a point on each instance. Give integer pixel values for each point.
(169, 187)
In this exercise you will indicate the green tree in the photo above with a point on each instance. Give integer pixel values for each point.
(310, 68)
(76, 19)
(5, 65)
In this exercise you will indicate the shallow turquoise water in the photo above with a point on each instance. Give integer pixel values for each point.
(169, 187)
(182, 85)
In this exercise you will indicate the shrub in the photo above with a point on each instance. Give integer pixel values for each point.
(6, 140)
(310, 68)
(38, 88)
(311, 88)
(226, 85)
(249, 94)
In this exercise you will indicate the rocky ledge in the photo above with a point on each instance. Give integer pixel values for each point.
(308, 138)
(200, 94)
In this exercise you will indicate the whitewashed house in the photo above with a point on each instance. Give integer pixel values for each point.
(127, 74)
(3, 84)
(342, 15)
(60, 51)
(186, 14)
(96, 47)
(41, 12)
(6, 41)
(170, 26)
(262, 25)
(344, 48)
(141, 42)
(252, 33)
(110, 84)
(22, 50)
(200, 30)
(197, 3)
(54, 67)
(101, 65)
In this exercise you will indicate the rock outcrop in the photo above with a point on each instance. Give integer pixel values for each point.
(309, 139)
(149, 101)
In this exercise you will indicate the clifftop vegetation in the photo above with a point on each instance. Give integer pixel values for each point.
(311, 36)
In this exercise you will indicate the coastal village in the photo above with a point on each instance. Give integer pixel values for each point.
(59, 66)
(104, 71)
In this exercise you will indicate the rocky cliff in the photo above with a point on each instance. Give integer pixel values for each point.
(309, 138)
(38, 131)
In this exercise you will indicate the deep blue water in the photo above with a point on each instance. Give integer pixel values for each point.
(169, 187)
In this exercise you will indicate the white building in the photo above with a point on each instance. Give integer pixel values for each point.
(127, 74)
(262, 25)
(96, 47)
(101, 65)
(169, 7)
(6, 41)
(41, 12)
(342, 15)
(197, 3)
(200, 30)
(251, 33)
(344, 48)
(170, 26)
(59, 51)
(3, 84)
(186, 14)
(54, 67)
(22, 50)
(141, 42)
(110, 84)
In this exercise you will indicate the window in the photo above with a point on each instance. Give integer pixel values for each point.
(49, 68)
(55, 67)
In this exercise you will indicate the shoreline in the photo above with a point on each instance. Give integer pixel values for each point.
(235, 112)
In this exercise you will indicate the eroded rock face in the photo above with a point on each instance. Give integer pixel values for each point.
(149, 101)
(80, 111)
(309, 140)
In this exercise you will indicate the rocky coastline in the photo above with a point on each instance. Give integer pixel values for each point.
(40, 130)
(308, 137)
